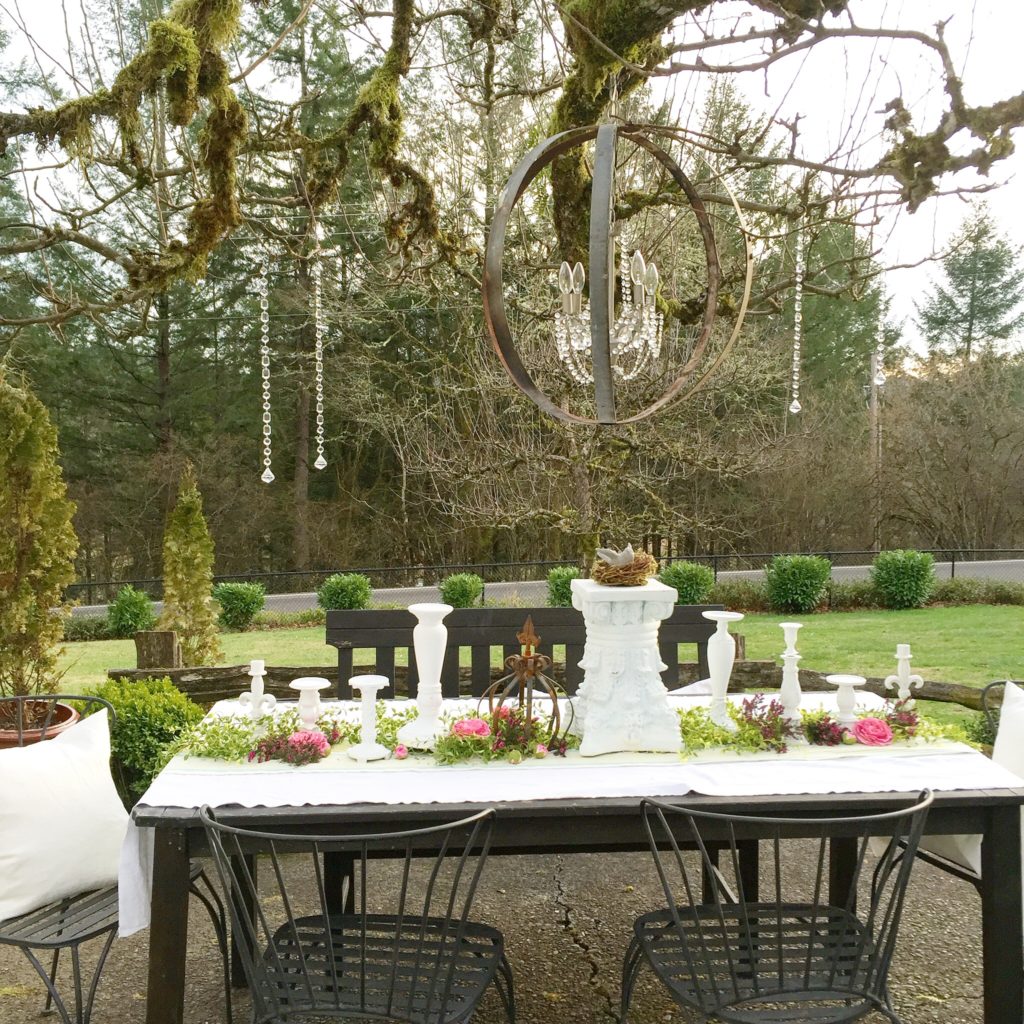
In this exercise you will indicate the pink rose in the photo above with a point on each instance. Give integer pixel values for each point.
(471, 727)
(541, 751)
(872, 732)
(316, 741)
(401, 752)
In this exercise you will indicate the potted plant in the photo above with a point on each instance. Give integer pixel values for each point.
(37, 550)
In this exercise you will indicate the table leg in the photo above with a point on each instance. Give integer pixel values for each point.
(248, 909)
(842, 865)
(1002, 930)
(339, 882)
(750, 868)
(168, 933)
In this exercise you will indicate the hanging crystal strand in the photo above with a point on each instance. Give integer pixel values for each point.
(318, 330)
(879, 380)
(798, 317)
(263, 290)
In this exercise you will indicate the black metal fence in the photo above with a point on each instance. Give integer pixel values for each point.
(526, 582)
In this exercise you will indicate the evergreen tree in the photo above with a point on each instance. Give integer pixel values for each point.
(188, 577)
(977, 305)
(37, 543)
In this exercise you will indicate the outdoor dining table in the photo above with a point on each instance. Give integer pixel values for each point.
(575, 805)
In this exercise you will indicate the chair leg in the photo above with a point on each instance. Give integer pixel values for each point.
(48, 1005)
(630, 969)
(53, 996)
(506, 991)
(215, 908)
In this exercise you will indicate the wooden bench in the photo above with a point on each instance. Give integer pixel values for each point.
(481, 630)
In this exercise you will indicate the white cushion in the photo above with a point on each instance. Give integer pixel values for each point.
(61, 820)
(1008, 752)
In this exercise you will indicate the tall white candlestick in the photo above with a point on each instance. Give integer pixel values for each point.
(368, 749)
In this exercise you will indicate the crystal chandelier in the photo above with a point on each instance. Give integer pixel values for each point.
(635, 336)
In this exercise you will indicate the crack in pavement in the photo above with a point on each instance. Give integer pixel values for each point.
(569, 926)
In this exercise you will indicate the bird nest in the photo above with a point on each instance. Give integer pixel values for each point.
(633, 574)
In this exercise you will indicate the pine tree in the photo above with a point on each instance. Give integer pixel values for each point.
(984, 286)
(188, 577)
(37, 543)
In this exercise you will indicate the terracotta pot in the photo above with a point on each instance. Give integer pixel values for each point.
(64, 716)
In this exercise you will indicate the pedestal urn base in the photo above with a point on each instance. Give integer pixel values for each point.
(622, 704)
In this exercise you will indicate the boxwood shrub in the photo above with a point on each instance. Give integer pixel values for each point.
(462, 589)
(691, 580)
(560, 585)
(129, 612)
(796, 583)
(903, 579)
(348, 590)
(239, 603)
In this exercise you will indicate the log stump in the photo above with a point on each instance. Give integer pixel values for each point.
(157, 648)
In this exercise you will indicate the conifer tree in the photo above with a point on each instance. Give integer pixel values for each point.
(979, 303)
(188, 577)
(37, 543)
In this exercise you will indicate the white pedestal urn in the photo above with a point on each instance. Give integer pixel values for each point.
(721, 655)
(309, 688)
(846, 697)
(429, 640)
(622, 703)
(368, 749)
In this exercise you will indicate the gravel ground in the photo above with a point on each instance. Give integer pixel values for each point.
(566, 922)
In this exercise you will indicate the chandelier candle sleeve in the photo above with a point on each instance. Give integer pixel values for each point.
(429, 640)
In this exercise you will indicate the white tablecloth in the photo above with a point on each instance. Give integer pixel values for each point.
(190, 783)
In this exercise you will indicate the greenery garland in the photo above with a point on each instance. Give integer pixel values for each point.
(507, 735)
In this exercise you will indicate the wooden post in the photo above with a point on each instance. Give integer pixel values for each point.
(156, 648)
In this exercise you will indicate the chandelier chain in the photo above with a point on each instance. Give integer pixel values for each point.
(318, 331)
(798, 317)
(263, 291)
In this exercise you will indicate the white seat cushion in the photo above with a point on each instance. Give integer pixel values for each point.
(1008, 752)
(61, 820)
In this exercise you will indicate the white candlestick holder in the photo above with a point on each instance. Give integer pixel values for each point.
(309, 688)
(368, 749)
(903, 680)
(721, 655)
(430, 640)
(846, 697)
(254, 700)
(790, 692)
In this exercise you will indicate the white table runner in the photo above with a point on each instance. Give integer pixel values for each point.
(190, 783)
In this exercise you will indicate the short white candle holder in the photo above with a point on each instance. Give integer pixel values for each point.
(721, 656)
(903, 680)
(309, 688)
(846, 697)
(368, 749)
(429, 640)
(790, 692)
(254, 700)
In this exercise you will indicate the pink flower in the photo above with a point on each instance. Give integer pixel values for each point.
(471, 727)
(401, 752)
(307, 738)
(541, 751)
(872, 732)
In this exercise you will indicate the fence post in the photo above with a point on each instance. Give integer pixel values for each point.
(714, 565)
(952, 565)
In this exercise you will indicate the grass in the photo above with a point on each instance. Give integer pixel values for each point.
(972, 644)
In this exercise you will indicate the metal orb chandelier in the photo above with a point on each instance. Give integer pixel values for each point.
(600, 343)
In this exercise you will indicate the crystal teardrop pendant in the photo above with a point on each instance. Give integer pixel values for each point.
(321, 463)
(267, 477)
(795, 406)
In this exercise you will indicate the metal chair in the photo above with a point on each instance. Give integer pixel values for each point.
(740, 957)
(70, 922)
(311, 948)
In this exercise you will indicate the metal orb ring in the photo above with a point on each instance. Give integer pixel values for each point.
(601, 269)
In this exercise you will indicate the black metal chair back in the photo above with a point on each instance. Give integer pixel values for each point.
(774, 947)
(991, 706)
(39, 711)
(395, 941)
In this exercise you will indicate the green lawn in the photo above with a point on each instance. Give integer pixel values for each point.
(973, 644)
